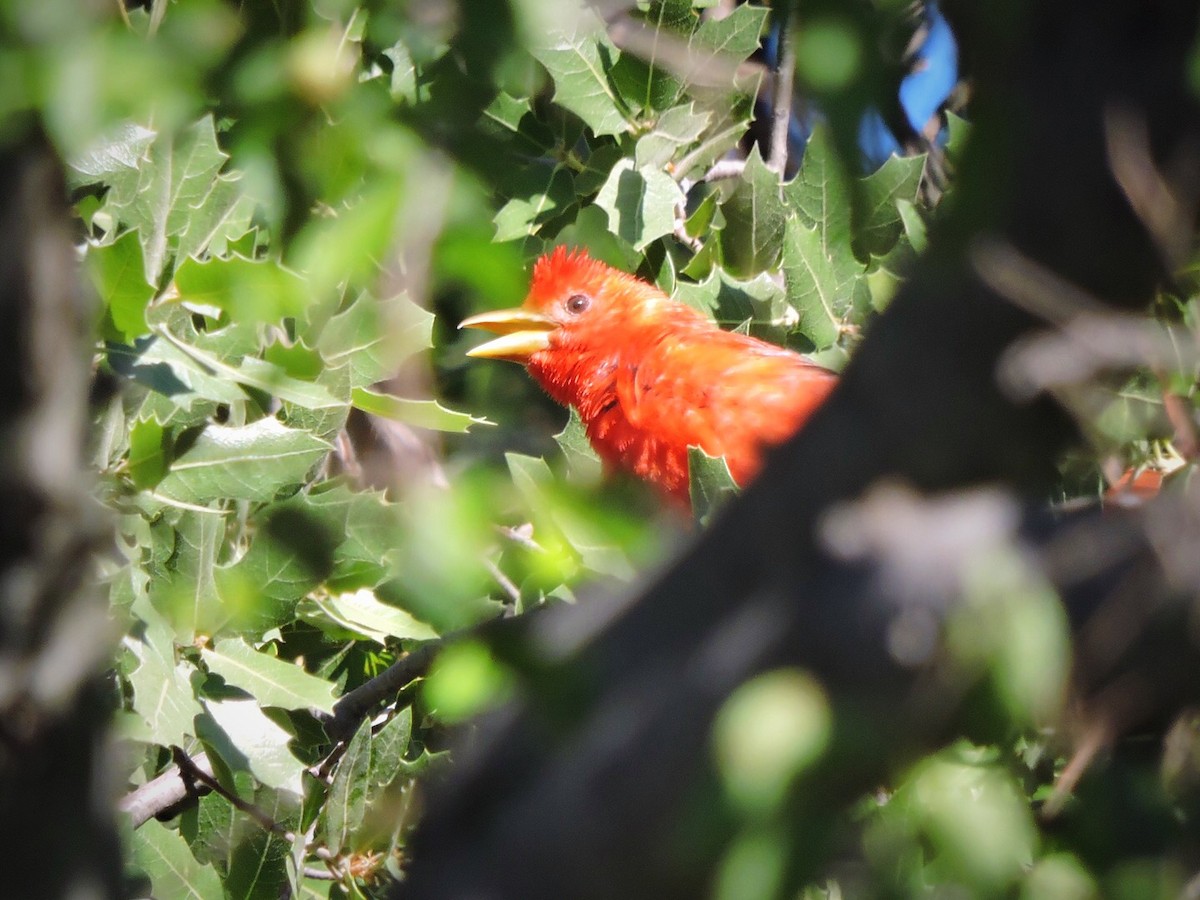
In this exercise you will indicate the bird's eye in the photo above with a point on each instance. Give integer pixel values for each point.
(577, 303)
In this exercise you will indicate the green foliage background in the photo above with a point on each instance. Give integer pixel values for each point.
(283, 210)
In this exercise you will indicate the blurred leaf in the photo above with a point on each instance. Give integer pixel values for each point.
(250, 462)
(114, 157)
(246, 290)
(419, 413)
(640, 203)
(362, 613)
(271, 681)
(164, 856)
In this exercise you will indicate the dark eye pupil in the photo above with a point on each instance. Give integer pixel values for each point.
(577, 303)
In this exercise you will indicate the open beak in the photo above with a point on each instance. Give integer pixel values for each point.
(522, 334)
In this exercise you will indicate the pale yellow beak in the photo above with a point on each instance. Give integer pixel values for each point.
(522, 334)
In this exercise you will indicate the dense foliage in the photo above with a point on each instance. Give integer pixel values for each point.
(283, 210)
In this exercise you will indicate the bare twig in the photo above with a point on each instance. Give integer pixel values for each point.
(781, 93)
(167, 790)
(205, 776)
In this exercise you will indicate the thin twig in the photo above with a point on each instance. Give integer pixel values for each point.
(185, 764)
(781, 91)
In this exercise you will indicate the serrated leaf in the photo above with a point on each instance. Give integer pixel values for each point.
(249, 462)
(375, 336)
(389, 746)
(245, 739)
(581, 458)
(347, 801)
(754, 220)
(822, 289)
(731, 302)
(710, 485)
(575, 49)
(271, 681)
(185, 590)
(167, 861)
(161, 197)
(419, 413)
(247, 290)
(369, 525)
(821, 193)
(674, 130)
(292, 552)
(362, 613)
(640, 203)
(877, 220)
(163, 696)
(118, 272)
(537, 195)
(736, 34)
(113, 156)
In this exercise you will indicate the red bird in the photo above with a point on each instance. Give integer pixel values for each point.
(650, 376)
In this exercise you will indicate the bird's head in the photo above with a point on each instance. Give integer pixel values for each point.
(577, 306)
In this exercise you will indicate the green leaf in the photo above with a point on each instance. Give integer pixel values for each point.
(640, 203)
(821, 288)
(246, 740)
(539, 193)
(112, 157)
(821, 193)
(877, 215)
(581, 458)
(419, 413)
(185, 590)
(271, 681)
(167, 861)
(374, 336)
(574, 47)
(176, 179)
(674, 130)
(368, 524)
(362, 613)
(737, 34)
(147, 462)
(732, 302)
(754, 220)
(118, 272)
(347, 802)
(710, 485)
(247, 290)
(163, 367)
(389, 746)
(163, 696)
(403, 86)
(250, 462)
